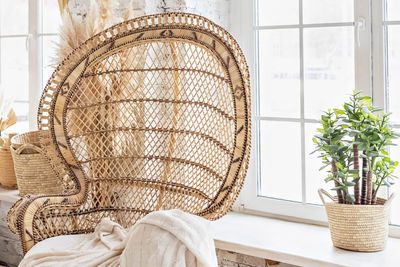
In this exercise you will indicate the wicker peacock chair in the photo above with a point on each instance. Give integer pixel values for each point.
(150, 114)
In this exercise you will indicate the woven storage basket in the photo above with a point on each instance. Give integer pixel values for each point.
(33, 171)
(7, 174)
(358, 227)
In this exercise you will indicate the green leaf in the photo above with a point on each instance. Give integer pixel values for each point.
(367, 101)
(387, 183)
(362, 146)
(350, 198)
(339, 165)
(354, 171)
(372, 154)
(337, 188)
(323, 167)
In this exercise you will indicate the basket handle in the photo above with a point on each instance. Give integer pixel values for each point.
(19, 150)
(322, 192)
(390, 199)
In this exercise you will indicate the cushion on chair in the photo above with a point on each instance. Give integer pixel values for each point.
(57, 243)
(162, 238)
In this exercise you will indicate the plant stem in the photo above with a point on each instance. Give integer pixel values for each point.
(338, 191)
(369, 187)
(356, 167)
(374, 193)
(374, 198)
(369, 181)
(364, 183)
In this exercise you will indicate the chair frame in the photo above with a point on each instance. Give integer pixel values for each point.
(185, 26)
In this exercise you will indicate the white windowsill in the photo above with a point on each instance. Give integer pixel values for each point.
(293, 243)
(289, 242)
(10, 196)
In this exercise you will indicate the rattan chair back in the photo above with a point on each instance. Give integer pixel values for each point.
(153, 113)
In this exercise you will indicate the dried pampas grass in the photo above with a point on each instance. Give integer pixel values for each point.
(7, 117)
(7, 122)
(7, 114)
(75, 30)
(135, 8)
(72, 34)
(107, 13)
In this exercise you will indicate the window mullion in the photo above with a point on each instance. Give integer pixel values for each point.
(35, 60)
(378, 54)
(362, 47)
(302, 124)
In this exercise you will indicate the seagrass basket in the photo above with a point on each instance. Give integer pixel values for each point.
(7, 174)
(32, 169)
(358, 227)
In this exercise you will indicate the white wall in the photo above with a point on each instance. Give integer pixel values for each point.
(216, 10)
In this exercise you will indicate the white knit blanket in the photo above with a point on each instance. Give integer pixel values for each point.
(162, 238)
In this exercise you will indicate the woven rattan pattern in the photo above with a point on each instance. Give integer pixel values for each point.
(153, 113)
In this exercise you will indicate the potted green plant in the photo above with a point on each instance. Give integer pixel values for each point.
(358, 132)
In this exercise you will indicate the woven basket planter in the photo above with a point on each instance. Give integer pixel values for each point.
(7, 174)
(33, 171)
(358, 227)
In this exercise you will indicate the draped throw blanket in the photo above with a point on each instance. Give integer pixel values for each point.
(163, 238)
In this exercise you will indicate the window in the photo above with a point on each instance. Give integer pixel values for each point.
(391, 43)
(305, 61)
(28, 29)
(308, 55)
(14, 78)
(51, 20)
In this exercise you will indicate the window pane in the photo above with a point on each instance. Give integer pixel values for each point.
(328, 68)
(14, 67)
(13, 17)
(272, 12)
(393, 83)
(51, 16)
(325, 11)
(314, 177)
(393, 79)
(49, 52)
(395, 207)
(22, 112)
(279, 73)
(393, 7)
(280, 160)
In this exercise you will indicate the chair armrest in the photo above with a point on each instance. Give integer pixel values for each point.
(35, 218)
(12, 213)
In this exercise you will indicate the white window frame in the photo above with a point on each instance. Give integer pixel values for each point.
(369, 62)
(34, 45)
(35, 51)
(36, 66)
